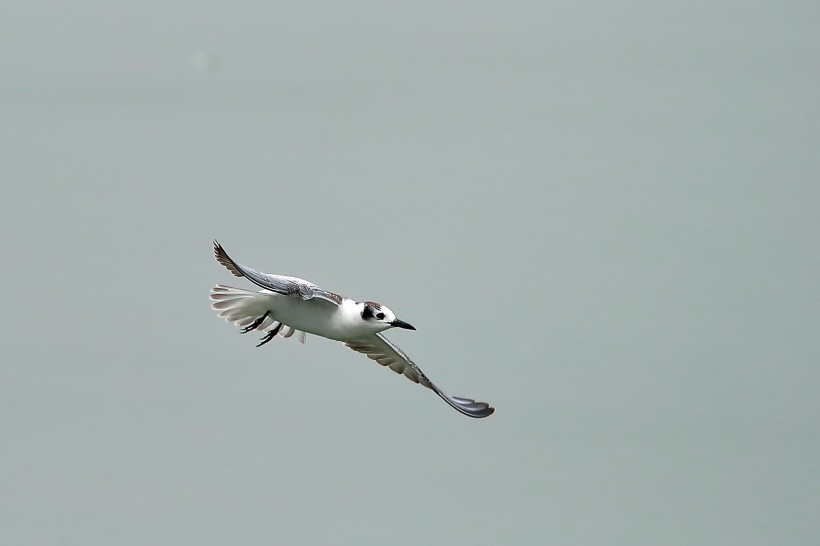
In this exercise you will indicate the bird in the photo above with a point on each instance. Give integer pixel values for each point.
(289, 305)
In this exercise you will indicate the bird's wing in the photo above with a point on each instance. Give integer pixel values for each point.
(380, 349)
(281, 284)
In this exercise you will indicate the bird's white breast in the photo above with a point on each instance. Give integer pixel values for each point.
(320, 317)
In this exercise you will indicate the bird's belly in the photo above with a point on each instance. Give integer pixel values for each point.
(314, 317)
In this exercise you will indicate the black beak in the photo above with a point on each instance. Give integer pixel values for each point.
(401, 324)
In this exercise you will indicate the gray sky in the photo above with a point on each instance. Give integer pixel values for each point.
(602, 219)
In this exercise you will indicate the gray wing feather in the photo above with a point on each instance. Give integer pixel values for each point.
(382, 350)
(281, 284)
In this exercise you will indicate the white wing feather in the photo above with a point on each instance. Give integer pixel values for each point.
(243, 307)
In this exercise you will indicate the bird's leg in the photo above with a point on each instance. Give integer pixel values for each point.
(254, 324)
(270, 335)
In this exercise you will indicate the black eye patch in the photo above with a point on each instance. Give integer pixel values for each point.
(367, 312)
(380, 316)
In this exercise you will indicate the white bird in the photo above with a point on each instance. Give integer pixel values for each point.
(287, 305)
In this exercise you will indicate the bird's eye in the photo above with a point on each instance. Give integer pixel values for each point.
(380, 316)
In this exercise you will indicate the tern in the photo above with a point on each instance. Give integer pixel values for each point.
(288, 305)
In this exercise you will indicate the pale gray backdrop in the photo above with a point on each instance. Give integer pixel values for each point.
(602, 217)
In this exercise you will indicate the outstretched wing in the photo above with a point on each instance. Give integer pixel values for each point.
(380, 349)
(281, 284)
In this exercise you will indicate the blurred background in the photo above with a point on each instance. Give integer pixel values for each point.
(602, 219)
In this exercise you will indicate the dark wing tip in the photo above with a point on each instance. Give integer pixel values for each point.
(225, 260)
(469, 407)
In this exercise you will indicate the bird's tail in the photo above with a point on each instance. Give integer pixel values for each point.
(249, 310)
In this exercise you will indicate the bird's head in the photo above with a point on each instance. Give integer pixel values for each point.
(381, 317)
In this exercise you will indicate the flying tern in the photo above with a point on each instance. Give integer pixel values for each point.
(289, 305)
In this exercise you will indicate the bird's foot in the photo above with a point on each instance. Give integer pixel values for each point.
(254, 324)
(270, 335)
